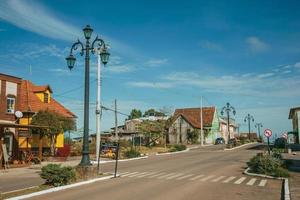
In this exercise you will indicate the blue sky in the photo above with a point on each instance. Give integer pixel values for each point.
(163, 54)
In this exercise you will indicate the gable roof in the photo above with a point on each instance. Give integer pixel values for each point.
(30, 102)
(193, 116)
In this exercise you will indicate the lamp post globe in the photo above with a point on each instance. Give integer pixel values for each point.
(87, 32)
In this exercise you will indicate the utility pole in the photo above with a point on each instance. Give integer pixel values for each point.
(116, 121)
(98, 105)
(201, 116)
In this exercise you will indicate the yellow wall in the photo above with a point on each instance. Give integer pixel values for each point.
(40, 95)
(34, 141)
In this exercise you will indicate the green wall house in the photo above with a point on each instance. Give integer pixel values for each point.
(187, 120)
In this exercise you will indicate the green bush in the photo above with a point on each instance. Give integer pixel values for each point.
(177, 147)
(57, 175)
(131, 153)
(267, 164)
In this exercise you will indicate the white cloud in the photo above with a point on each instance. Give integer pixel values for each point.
(120, 68)
(157, 62)
(256, 45)
(266, 75)
(297, 65)
(211, 45)
(158, 85)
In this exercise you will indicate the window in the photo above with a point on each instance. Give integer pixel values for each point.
(46, 98)
(10, 105)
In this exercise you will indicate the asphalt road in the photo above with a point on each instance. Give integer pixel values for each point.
(209, 173)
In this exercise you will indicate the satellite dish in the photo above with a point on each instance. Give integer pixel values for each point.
(18, 114)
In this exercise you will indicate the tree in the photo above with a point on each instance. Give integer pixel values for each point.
(135, 113)
(192, 136)
(55, 124)
(153, 112)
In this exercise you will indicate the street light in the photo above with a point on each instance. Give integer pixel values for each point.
(258, 126)
(228, 108)
(249, 118)
(98, 43)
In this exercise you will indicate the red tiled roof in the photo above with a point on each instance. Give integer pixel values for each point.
(30, 102)
(193, 116)
(42, 88)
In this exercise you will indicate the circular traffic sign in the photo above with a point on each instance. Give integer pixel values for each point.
(268, 133)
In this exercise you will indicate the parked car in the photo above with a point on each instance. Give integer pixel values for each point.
(220, 141)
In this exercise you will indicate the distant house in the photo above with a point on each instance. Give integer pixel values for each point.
(295, 117)
(186, 120)
(224, 130)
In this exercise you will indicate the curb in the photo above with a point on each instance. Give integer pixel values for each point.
(60, 188)
(123, 160)
(170, 153)
(239, 146)
(286, 191)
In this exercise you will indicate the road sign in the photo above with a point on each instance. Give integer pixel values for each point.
(268, 133)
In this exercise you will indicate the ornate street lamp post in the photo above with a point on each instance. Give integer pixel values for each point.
(249, 118)
(228, 108)
(96, 44)
(258, 126)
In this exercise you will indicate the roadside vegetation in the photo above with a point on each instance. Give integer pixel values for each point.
(57, 175)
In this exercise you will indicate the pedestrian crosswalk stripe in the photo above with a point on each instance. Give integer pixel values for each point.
(262, 183)
(217, 179)
(130, 174)
(229, 179)
(123, 173)
(156, 175)
(239, 181)
(252, 181)
(147, 174)
(176, 175)
(137, 174)
(166, 176)
(206, 178)
(196, 177)
(183, 177)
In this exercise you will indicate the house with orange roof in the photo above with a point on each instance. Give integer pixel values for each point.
(187, 120)
(33, 99)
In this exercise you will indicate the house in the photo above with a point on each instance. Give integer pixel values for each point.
(10, 87)
(224, 128)
(294, 115)
(33, 99)
(187, 120)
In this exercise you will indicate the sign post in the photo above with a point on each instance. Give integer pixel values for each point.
(268, 134)
(117, 158)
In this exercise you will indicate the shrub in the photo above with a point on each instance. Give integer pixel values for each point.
(177, 147)
(267, 164)
(131, 153)
(57, 175)
(280, 143)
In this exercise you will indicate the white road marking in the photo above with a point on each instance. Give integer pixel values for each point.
(217, 179)
(147, 174)
(262, 183)
(176, 175)
(166, 176)
(239, 181)
(196, 177)
(156, 175)
(130, 174)
(229, 179)
(252, 181)
(123, 173)
(206, 178)
(137, 174)
(183, 177)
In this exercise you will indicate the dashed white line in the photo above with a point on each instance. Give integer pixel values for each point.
(166, 176)
(156, 175)
(229, 179)
(262, 183)
(251, 182)
(176, 175)
(217, 179)
(206, 178)
(147, 174)
(196, 177)
(183, 177)
(130, 174)
(239, 181)
(137, 174)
